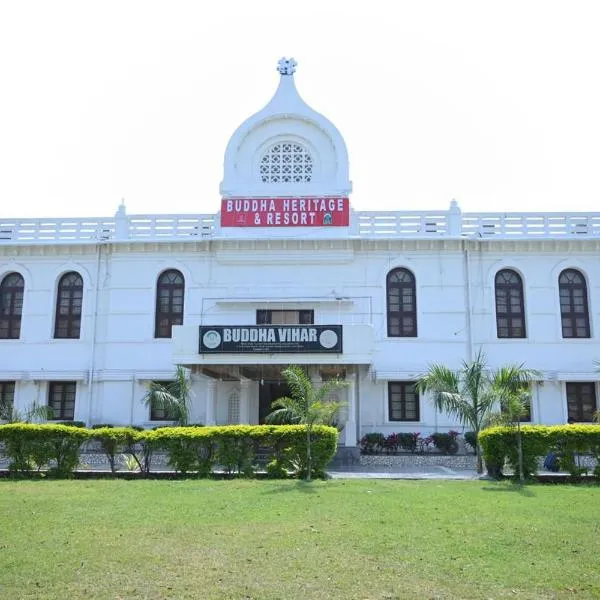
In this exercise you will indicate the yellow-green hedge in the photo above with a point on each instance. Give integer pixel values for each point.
(198, 450)
(500, 446)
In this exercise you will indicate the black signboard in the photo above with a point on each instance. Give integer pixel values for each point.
(270, 339)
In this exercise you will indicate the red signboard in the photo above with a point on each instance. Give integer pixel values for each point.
(285, 212)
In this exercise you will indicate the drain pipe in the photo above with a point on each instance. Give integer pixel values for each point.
(357, 399)
(93, 350)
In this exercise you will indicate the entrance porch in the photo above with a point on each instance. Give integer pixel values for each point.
(236, 394)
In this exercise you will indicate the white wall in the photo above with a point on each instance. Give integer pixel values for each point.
(343, 280)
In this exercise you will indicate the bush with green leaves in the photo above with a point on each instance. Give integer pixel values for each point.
(372, 443)
(198, 450)
(499, 446)
(190, 449)
(30, 447)
(471, 439)
(446, 443)
(113, 441)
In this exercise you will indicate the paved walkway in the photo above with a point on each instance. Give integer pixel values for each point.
(404, 472)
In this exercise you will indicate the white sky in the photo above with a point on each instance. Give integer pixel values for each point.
(496, 104)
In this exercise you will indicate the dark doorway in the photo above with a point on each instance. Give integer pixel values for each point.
(269, 391)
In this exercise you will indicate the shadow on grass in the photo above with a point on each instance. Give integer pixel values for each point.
(510, 486)
(306, 487)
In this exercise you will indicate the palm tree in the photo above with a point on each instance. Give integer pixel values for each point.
(512, 385)
(468, 394)
(307, 405)
(173, 397)
(35, 412)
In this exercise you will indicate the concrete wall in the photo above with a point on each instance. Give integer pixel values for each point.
(342, 280)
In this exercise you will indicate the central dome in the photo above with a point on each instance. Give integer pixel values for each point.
(286, 150)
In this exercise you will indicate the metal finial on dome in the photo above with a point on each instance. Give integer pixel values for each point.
(286, 66)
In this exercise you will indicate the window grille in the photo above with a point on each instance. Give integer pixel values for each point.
(286, 163)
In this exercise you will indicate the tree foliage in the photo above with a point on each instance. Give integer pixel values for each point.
(174, 397)
(470, 393)
(308, 404)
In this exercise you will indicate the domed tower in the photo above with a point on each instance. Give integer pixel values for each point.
(286, 160)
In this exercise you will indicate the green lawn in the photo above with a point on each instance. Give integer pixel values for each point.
(286, 539)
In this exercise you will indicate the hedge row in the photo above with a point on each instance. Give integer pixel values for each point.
(500, 446)
(199, 450)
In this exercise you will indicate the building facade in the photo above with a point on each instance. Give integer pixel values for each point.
(92, 310)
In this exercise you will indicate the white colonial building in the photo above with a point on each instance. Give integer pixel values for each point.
(91, 310)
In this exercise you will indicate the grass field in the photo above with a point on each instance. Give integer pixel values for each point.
(286, 539)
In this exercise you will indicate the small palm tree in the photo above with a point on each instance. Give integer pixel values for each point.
(512, 386)
(307, 405)
(174, 397)
(468, 394)
(35, 412)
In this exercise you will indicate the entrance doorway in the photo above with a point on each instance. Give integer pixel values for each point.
(269, 391)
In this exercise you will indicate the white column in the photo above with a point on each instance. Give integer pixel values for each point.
(245, 401)
(350, 427)
(209, 414)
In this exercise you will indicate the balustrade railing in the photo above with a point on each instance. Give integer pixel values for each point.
(378, 225)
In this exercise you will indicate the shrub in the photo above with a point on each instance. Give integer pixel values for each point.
(499, 445)
(401, 441)
(140, 447)
(471, 439)
(372, 443)
(323, 448)
(31, 446)
(190, 449)
(446, 443)
(113, 441)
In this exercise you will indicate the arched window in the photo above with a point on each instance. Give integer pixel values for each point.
(286, 162)
(510, 307)
(401, 304)
(11, 306)
(69, 300)
(169, 302)
(574, 312)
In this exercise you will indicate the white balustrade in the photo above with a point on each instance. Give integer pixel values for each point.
(371, 224)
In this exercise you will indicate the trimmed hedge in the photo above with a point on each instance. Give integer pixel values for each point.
(499, 446)
(31, 447)
(198, 450)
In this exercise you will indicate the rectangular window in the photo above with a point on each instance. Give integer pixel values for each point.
(403, 401)
(581, 401)
(7, 399)
(285, 317)
(158, 413)
(61, 399)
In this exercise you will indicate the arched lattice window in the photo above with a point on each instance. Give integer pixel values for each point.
(69, 300)
(401, 304)
(286, 162)
(169, 302)
(574, 310)
(510, 306)
(11, 306)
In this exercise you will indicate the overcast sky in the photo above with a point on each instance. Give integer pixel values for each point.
(496, 104)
